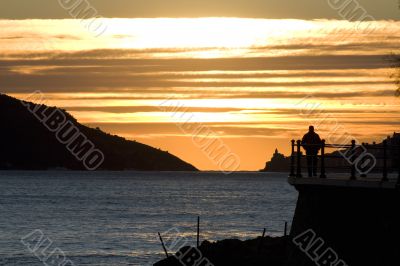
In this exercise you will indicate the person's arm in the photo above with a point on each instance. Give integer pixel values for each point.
(303, 140)
(319, 141)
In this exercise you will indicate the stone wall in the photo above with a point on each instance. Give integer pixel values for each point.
(361, 226)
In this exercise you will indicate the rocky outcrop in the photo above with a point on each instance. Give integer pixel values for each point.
(267, 251)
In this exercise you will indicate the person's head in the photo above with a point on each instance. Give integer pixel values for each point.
(311, 128)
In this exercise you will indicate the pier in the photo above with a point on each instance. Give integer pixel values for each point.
(351, 205)
(363, 165)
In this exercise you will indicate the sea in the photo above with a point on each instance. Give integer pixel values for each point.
(113, 218)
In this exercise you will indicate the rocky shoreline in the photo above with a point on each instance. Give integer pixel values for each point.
(233, 252)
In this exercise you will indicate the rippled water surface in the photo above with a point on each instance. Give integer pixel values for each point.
(112, 218)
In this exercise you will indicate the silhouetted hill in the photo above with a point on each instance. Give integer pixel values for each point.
(28, 144)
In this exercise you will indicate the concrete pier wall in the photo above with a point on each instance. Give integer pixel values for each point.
(357, 223)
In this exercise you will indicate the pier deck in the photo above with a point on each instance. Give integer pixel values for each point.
(345, 182)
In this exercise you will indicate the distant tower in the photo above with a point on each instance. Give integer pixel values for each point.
(278, 156)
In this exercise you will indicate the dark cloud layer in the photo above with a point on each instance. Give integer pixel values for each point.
(90, 71)
(305, 9)
(141, 109)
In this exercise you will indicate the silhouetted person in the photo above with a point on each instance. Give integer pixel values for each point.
(312, 143)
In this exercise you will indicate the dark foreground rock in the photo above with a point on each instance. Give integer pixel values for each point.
(267, 251)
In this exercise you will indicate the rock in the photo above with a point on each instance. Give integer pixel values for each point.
(232, 252)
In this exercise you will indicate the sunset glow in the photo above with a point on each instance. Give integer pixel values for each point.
(247, 79)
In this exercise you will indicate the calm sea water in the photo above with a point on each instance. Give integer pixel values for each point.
(112, 218)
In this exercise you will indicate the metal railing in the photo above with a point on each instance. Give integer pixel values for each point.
(353, 157)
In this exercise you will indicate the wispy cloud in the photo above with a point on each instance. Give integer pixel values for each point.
(241, 77)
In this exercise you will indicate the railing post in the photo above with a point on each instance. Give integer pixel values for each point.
(385, 177)
(323, 175)
(292, 160)
(298, 174)
(353, 166)
(398, 163)
(365, 146)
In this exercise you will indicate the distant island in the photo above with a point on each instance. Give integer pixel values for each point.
(27, 144)
(281, 163)
(278, 163)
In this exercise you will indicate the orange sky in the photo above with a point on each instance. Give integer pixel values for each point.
(248, 81)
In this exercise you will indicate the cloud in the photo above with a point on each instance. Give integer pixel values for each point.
(225, 129)
(96, 57)
(141, 109)
(92, 83)
(91, 71)
(306, 9)
(266, 110)
(349, 48)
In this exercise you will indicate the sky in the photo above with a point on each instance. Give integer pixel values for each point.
(195, 78)
(304, 9)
